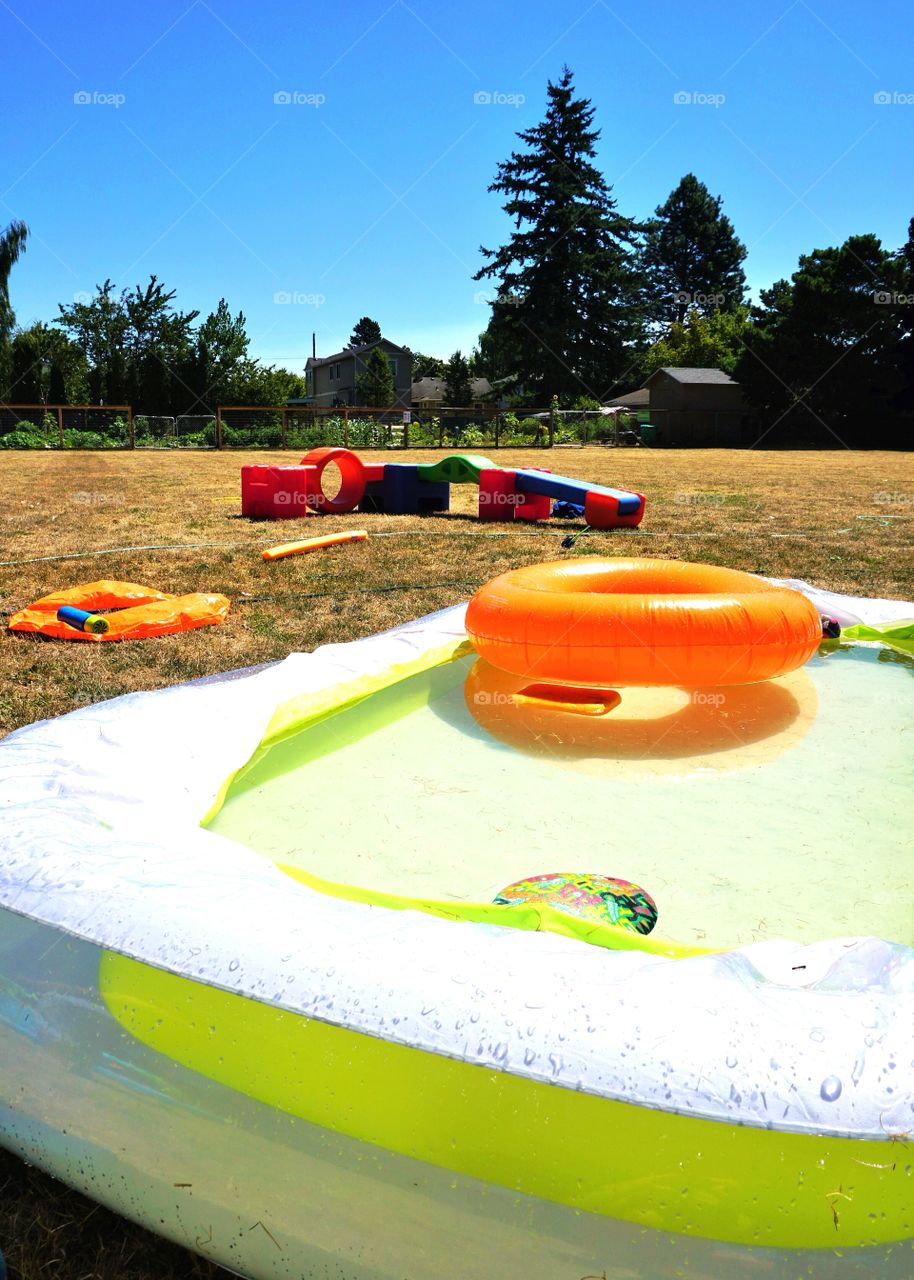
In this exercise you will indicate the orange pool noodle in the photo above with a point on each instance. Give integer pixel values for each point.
(314, 544)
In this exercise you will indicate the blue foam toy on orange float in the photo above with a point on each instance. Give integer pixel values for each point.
(82, 620)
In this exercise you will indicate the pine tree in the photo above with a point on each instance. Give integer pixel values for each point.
(567, 304)
(822, 358)
(365, 333)
(692, 257)
(906, 345)
(376, 385)
(457, 390)
(220, 349)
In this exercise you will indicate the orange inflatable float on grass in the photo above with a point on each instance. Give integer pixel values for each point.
(142, 612)
(641, 622)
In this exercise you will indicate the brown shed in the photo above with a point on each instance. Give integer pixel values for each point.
(696, 407)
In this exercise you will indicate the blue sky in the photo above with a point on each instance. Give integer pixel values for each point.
(150, 139)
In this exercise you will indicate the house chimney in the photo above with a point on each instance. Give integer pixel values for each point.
(313, 346)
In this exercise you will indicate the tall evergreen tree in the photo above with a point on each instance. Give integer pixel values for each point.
(375, 386)
(220, 348)
(905, 256)
(365, 333)
(457, 389)
(692, 257)
(567, 301)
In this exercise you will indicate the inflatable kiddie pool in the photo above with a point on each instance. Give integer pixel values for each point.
(301, 1038)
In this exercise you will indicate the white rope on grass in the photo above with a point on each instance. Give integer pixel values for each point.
(113, 551)
(193, 546)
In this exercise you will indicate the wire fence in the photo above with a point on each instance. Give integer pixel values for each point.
(303, 427)
(66, 426)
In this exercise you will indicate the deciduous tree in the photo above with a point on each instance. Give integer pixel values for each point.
(712, 341)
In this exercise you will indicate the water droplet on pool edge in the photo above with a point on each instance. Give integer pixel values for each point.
(830, 1089)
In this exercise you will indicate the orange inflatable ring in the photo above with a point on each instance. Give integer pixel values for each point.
(143, 612)
(641, 622)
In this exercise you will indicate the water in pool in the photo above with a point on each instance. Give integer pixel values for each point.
(774, 810)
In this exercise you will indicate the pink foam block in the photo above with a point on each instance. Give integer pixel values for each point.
(275, 493)
(534, 506)
(498, 496)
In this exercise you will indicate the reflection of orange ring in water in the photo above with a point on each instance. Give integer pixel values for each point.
(352, 486)
(641, 622)
(658, 730)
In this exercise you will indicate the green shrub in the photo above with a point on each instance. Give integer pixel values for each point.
(252, 436)
(88, 440)
(189, 440)
(25, 440)
(471, 436)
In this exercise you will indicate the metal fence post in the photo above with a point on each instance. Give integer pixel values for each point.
(218, 426)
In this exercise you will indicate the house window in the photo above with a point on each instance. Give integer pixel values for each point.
(392, 360)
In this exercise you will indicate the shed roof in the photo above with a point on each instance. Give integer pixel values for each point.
(632, 399)
(692, 375)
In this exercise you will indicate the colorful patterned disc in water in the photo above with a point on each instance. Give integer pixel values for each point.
(592, 897)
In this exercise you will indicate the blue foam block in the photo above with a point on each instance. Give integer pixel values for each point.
(373, 497)
(434, 495)
(400, 489)
(576, 491)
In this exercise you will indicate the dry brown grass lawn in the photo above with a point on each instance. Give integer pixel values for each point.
(841, 520)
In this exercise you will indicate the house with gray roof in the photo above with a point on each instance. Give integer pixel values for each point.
(428, 394)
(331, 381)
